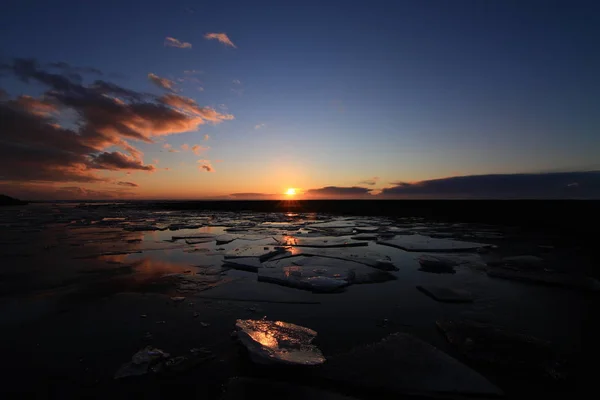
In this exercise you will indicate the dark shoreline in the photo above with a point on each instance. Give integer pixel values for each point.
(540, 213)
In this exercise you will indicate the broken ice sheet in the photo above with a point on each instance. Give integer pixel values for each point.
(361, 255)
(365, 236)
(251, 264)
(429, 244)
(313, 278)
(321, 242)
(263, 253)
(277, 342)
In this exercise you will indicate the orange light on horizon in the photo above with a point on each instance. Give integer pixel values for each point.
(290, 192)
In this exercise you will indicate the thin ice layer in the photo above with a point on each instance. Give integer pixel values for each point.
(429, 244)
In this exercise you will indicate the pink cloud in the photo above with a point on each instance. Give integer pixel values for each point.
(163, 83)
(172, 42)
(221, 37)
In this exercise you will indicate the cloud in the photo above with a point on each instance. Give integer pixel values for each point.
(370, 182)
(259, 126)
(206, 166)
(185, 147)
(67, 69)
(544, 185)
(191, 108)
(39, 107)
(237, 82)
(34, 147)
(337, 192)
(172, 42)
(128, 184)
(192, 72)
(117, 160)
(45, 191)
(197, 149)
(173, 151)
(163, 83)
(255, 196)
(221, 37)
(206, 137)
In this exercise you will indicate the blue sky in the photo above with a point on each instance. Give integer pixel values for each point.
(333, 93)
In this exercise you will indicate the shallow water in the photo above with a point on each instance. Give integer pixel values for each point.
(76, 280)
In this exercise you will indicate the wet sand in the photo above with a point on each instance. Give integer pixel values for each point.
(85, 287)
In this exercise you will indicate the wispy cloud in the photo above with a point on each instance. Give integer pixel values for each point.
(172, 42)
(206, 137)
(190, 107)
(129, 184)
(197, 149)
(221, 37)
(370, 182)
(192, 72)
(162, 82)
(185, 147)
(259, 126)
(236, 82)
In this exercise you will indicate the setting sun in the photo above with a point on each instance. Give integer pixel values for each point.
(290, 192)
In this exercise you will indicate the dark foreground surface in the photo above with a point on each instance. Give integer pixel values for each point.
(406, 300)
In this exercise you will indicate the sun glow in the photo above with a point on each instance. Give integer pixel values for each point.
(290, 192)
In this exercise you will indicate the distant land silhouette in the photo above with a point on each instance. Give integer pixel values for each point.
(10, 201)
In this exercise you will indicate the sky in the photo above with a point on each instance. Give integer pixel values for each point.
(334, 99)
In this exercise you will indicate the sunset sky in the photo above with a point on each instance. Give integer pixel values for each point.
(246, 99)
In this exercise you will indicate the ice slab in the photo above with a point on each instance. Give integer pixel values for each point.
(493, 346)
(333, 224)
(366, 229)
(262, 252)
(437, 264)
(404, 364)
(251, 264)
(361, 255)
(429, 244)
(361, 272)
(547, 278)
(141, 362)
(365, 236)
(322, 242)
(192, 237)
(446, 294)
(319, 279)
(277, 342)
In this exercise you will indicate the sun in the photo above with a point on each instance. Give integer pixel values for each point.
(290, 192)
